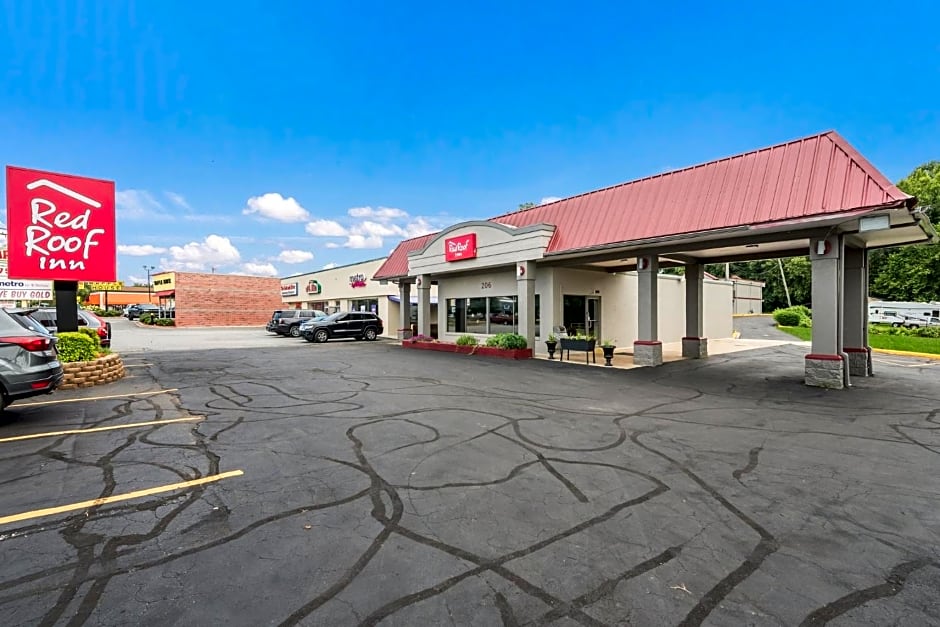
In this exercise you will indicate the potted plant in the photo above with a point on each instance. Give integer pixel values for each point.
(550, 344)
(608, 347)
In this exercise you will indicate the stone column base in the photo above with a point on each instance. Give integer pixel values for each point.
(695, 347)
(824, 371)
(858, 361)
(647, 353)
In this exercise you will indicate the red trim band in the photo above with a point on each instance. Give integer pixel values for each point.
(820, 357)
(646, 343)
(855, 350)
(695, 338)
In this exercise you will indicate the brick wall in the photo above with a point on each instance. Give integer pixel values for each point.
(221, 300)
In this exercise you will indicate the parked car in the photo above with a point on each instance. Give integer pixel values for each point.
(360, 325)
(912, 322)
(46, 316)
(136, 311)
(288, 321)
(306, 325)
(29, 365)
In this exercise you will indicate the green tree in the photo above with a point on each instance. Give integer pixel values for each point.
(526, 205)
(911, 272)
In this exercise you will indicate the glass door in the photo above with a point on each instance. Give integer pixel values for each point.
(592, 316)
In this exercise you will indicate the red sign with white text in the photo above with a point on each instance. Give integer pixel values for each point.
(461, 247)
(60, 227)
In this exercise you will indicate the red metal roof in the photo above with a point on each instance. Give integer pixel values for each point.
(397, 263)
(817, 175)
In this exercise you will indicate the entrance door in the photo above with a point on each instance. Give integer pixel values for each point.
(582, 314)
(592, 316)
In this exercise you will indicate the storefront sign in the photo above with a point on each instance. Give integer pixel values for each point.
(164, 282)
(104, 286)
(357, 280)
(60, 227)
(289, 289)
(459, 248)
(23, 290)
(314, 287)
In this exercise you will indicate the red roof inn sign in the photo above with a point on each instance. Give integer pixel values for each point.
(460, 247)
(60, 227)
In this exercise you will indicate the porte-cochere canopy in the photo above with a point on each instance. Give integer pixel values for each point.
(761, 203)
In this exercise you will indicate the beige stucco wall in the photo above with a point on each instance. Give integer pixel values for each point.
(618, 294)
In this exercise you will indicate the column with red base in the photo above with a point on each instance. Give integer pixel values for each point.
(647, 349)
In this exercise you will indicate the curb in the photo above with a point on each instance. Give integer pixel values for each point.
(888, 351)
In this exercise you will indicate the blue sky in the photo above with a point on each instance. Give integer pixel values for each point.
(279, 138)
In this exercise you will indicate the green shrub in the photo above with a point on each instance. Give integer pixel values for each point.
(467, 340)
(796, 316)
(164, 322)
(109, 313)
(93, 334)
(146, 318)
(76, 346)
(787, 317)
(926, 332)
(507, 340)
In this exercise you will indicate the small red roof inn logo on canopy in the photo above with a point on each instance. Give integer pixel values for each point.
(461, 247)
(60, 227)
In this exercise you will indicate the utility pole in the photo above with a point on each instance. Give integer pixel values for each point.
(783, 276)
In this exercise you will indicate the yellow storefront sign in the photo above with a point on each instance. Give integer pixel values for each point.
(103, 286)
(164, 281)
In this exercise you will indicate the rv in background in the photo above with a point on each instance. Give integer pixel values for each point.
(904, 314)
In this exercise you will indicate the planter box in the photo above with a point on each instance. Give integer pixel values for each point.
(486, 351)
(570, 344)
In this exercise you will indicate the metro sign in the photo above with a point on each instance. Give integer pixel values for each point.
(60, 227)
(461, 247)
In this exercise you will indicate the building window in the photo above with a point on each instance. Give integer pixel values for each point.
(319, 304)
(365, 304)
(487, 316)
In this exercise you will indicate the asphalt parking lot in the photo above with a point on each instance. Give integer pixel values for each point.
(355, 483)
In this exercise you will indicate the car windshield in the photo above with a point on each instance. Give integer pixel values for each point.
(336, 316)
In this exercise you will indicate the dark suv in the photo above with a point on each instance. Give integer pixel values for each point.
(287, 321)
(360, 325)
(136, 311)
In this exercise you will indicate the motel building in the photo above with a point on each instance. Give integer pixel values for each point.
(591, 263)
(350, 288)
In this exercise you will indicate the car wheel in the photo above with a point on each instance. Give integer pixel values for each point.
(321, 335)
(295, 331)
(370, 334)
(896, 324)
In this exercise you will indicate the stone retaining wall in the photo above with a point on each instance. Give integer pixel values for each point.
(83, 374)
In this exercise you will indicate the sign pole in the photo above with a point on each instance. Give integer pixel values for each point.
(66, 305)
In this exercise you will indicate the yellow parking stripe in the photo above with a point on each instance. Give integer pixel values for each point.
(51, 511)
(52, 434)
(96, 398)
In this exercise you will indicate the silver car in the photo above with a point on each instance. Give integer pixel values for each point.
(29, 365)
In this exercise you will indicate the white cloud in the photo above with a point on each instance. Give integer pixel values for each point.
(213, 251)
(549, 199)
(134, 280)
(383, 214)
(326, 228)
(140, 250)
(420, 226)
(178, 200)
(294, 256)
(332, 245)
(377, 229)
(361, 241)
(136, 204)
(329, 265)
(275, 207)
(260, 269)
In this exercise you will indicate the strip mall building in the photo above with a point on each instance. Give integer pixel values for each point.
(591, 262)
(349, 288)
